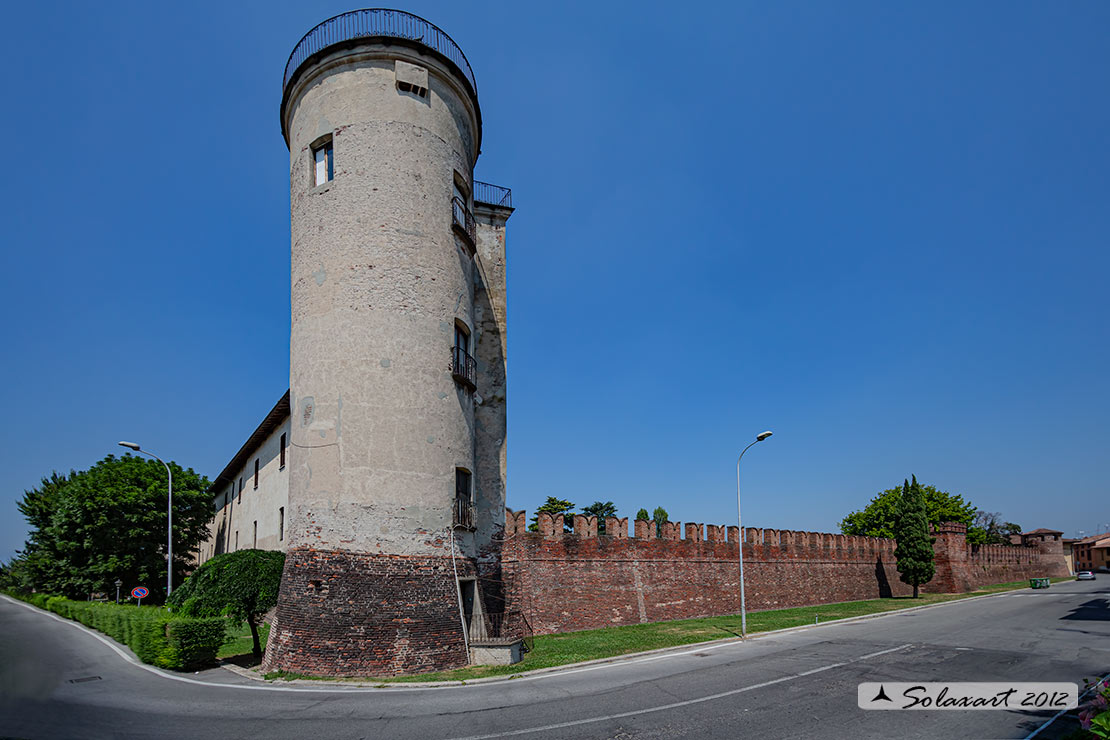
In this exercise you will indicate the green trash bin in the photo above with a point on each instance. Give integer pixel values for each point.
(1038, 583)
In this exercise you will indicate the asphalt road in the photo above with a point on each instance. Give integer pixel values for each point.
(61, 681)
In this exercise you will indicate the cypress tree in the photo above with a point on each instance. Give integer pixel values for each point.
(914, 550)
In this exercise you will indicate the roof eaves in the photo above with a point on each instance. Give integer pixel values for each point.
(278, 414)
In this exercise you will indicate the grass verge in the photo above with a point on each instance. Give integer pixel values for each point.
(576, 647)
(239, 643)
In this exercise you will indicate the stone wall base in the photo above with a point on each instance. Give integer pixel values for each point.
(354, 614)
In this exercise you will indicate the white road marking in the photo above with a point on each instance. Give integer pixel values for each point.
(688, 702)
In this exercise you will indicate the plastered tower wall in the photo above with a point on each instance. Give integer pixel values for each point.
(379, 425)
(490, 411)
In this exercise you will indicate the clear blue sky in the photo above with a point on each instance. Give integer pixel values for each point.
(880, 230)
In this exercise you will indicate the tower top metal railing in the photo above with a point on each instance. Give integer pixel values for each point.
(370, 23)
(494, 195)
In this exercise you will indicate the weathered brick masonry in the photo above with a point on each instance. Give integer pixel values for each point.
(565, 582)
(344, 614)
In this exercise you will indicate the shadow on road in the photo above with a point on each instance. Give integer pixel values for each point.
(1093, 610)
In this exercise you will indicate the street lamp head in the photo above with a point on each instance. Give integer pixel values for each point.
(759, 437)
(130, 446)
(118, 583)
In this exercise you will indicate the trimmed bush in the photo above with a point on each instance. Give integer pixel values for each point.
(155, 636)
(241, 585)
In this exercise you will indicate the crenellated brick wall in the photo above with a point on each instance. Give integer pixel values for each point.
(962, 567)
(576, 581)
(580, 580)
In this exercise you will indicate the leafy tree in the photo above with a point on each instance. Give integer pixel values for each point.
(642, 515)
(987, 528)
(660, 516)
(600, 510)
(554, 506)
(94, 526)
(242, 585)
(914, 551)
(879, 517)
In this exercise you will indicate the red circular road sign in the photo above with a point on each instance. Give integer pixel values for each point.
(140, 592)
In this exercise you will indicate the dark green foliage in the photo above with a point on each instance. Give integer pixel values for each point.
(600, 510)
(914, 551)
(659, 515)
(555, 506)
(91, 527)
(15, 575)
(878, 519)
(988, 529)
(155, 636)
(643, 515)
(242, 585)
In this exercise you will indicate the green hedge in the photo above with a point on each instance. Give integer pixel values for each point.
(156, 637)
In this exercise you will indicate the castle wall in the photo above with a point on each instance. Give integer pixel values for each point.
(564, 582)
(962, 567)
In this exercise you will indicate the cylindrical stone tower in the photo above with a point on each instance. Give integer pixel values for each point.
(395, 507)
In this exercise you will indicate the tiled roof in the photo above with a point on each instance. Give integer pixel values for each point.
(1042, 530)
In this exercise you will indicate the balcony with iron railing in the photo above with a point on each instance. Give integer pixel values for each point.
(492, 195)
(464, 367)
(462, 220)
(462, 513)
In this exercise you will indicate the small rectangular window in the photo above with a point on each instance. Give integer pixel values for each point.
(281, 453)
(255, 543)
(281, 523)
(462, 484)
(237, 539)
(323, 163)
(256, 473)
(240, 489)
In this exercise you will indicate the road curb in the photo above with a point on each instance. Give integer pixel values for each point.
(598, 662)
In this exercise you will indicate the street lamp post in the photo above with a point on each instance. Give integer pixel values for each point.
(169, 513)
(740, 534)
(118, 584)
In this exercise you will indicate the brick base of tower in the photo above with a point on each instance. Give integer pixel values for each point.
(353, 614)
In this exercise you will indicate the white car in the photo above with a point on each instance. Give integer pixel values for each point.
(1084, 575)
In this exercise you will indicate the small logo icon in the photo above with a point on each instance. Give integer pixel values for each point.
(881, 696)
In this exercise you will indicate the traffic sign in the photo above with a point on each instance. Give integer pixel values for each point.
(140, 592)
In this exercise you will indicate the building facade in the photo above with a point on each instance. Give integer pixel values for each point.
(381, 473)
(251, 493)
(1092, 553)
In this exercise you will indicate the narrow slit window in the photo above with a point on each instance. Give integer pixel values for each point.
(281, 523)
(323, 163)
(281, 453)
(256, 473)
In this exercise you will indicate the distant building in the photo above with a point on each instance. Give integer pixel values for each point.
(1092, 553)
